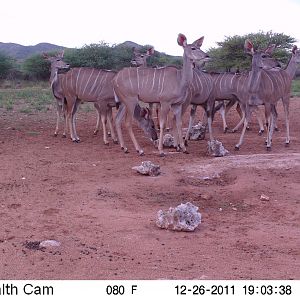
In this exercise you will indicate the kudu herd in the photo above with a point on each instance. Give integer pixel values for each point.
(134, 89)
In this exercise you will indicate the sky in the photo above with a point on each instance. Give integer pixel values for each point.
(153, 22)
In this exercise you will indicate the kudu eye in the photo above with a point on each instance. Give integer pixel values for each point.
(193, 48)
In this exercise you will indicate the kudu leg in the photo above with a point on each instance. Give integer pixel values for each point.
(259, 118)
(110, 125)
(71, 111)
(118, 122)
(98, 118)
(191, 122)
(286, 105)
(247, 114)
(128, 124)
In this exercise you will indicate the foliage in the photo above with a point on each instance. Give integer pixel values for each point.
(6, 65)
(36, 68)
(230, 56)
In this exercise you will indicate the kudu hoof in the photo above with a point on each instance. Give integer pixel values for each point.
(287, 144)
(55, 134)
(140, 152)
(76, 141)
(236, 148)
(64, 136)
(261, 132)
(116, 142)
(186, 152)
(226, 130)
(162, 154)
(276, 129)
(125, 149)
(268, 148)
(95, 132)
(106, 144)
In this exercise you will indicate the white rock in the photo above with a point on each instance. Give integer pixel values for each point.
(216, 148)
(148, 168)
(198, 132)
(49, 243)
(168, 140)
(184, 217)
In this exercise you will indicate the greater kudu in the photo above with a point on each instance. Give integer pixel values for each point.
(140, 59)
(94, 85)
(56, 68)
(267, 87)
(167, 86)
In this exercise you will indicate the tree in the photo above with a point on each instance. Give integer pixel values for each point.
(36, 68)
(6, 65)
(230, 56)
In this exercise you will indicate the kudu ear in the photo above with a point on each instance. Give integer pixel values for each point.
(45, 55)
(134, 50)
(294, 49)
(150, 51)
(181, 40)
(269, 50)
(199, 42)
(248, 46)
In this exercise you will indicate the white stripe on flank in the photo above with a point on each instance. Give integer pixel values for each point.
(163, 81)
(88, 81)
(95, 82)
(138, 79)
(129, 69)
(77, 78)
(153, 80)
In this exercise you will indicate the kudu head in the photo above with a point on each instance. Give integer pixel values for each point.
(296, 54)
(57, 63)
(143, 116)
(261, 60)
(140, 59)
(192, 51)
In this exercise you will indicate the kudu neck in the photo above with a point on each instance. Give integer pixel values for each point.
(254, 79)
(291, 67)
(187, 72)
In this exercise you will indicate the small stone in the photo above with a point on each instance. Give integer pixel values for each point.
(216, 148)
(148, 168)
(198, 132)
(264, 197)
(49, 243)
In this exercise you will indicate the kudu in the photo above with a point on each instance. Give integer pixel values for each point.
(267, 87)
(167, 86)
(94, 85)
(57, 68)
(140, 59)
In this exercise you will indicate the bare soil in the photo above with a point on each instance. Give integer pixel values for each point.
(87, 197)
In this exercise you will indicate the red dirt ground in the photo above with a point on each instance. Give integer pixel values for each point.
(87, 197)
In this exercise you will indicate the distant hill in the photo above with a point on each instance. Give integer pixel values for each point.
(21, 52)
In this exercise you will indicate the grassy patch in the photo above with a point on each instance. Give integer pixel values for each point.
(26, 99)
(296, 87)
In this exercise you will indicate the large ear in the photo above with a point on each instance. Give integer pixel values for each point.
(199, 42)
(181, 40)
(294, 49)
(270, 49)
(150, 51)
(135, 51)
(61, 54)
(248, 46)
(45, 55)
